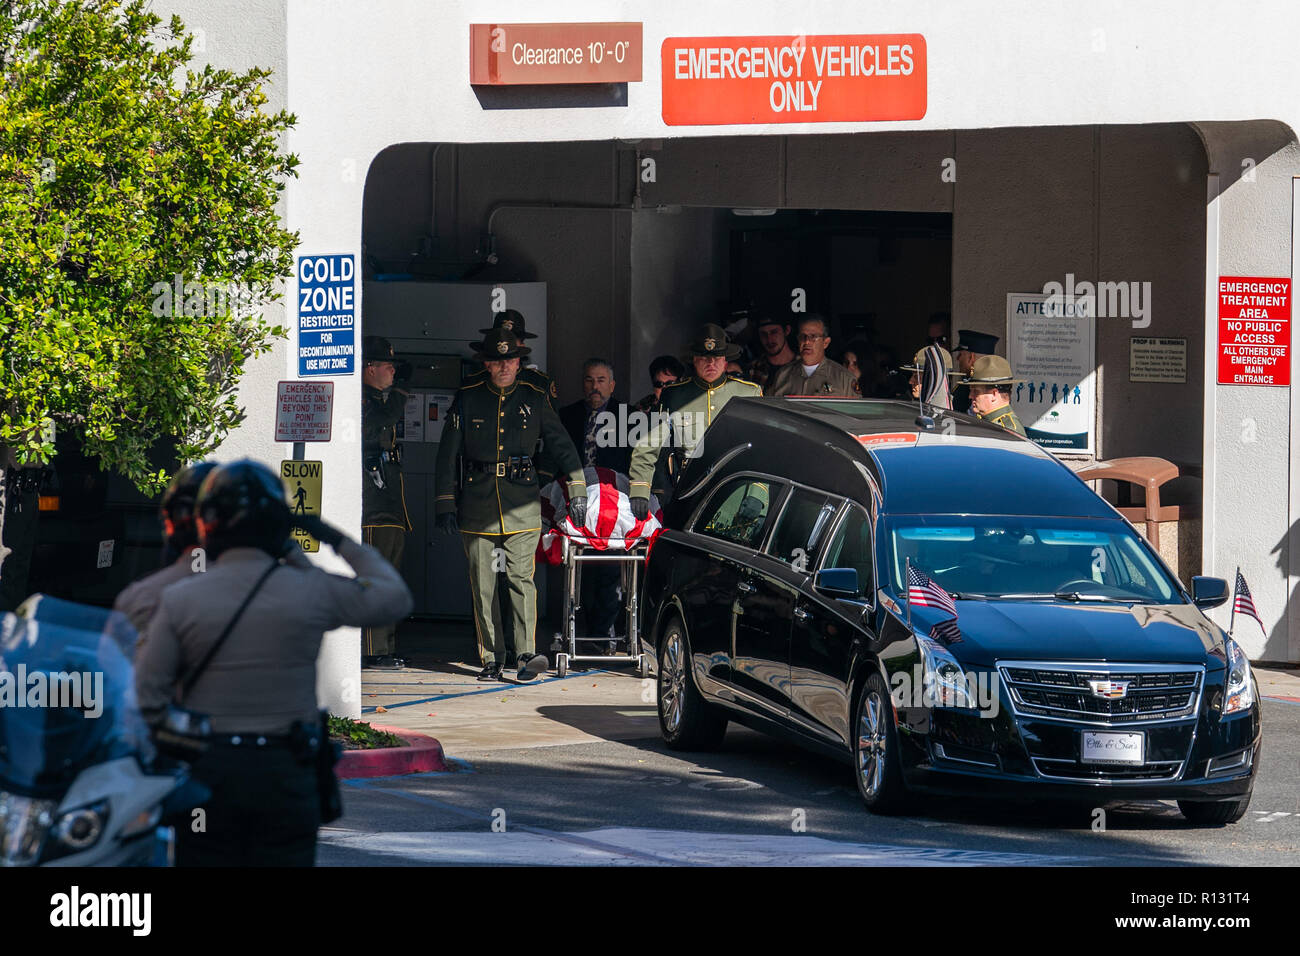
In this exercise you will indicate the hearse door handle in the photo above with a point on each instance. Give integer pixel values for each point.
(744, 587)
(802, 615)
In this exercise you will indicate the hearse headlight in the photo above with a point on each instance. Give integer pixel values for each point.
(945, 683)
(1239, 686)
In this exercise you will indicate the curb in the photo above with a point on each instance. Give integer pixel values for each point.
(421, 754)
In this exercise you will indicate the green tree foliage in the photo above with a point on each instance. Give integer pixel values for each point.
(126, 177)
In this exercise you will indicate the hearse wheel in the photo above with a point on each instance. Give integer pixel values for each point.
(1214, 814)
(686, 720)
(877, 768)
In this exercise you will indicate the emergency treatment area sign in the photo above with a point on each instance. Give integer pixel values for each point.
(327, 315)
(1254, 330)
(710, 81)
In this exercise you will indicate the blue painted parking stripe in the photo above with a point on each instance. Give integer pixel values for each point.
(486, 690)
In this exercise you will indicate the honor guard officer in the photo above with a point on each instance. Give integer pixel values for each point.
(180, 535)
(686, 409)
(513, 321)
(384, 520)
(490, 436)
(972, 346)
(990, 384)
(239, 643)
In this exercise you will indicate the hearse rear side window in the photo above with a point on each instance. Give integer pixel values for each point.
(738, 511)
(801, 526)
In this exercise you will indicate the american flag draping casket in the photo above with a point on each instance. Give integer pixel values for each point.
(609, 525)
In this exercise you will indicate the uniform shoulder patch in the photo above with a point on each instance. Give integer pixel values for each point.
(555, 392)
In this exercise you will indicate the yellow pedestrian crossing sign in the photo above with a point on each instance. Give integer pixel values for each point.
(302, 483)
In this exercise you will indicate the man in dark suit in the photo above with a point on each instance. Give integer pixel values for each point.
(596, 424)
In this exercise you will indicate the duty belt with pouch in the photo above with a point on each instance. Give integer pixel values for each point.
(186, 734)
(517, 468)
(376, 465)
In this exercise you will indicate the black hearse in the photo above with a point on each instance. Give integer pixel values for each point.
(1078, 665)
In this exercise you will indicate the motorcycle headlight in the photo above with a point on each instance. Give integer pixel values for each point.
(24, 825)
(1239, 685)
(945, 681)
(77, 830)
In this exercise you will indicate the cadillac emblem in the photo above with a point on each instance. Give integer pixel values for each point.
(710, 344)
(1109, 689)
(503, 347)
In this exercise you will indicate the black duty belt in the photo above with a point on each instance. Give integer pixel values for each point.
(510, 467)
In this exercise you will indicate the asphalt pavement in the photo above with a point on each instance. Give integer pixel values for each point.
(573, 771)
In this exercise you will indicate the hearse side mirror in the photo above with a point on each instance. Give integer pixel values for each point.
(837, 582)
(1208, 592)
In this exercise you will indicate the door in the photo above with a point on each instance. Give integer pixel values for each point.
(826, 629)
(735, 519)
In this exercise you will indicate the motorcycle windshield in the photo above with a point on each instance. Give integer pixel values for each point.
(67, 696)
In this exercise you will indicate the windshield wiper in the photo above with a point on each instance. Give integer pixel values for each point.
(1020, 597)
(1076, 596)
(967, 596)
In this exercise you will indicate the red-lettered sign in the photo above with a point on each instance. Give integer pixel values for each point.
(887, 438)
(1254, 330)
(709, 81)
(515, 54)
(304, 411)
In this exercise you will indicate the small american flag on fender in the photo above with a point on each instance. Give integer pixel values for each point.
(923, 592)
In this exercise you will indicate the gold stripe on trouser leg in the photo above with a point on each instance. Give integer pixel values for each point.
(521, 557)
(482, 592)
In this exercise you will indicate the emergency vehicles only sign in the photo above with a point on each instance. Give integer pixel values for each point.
(1254, 330)
(326, 315)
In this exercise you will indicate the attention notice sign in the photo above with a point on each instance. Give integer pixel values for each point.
(1254, 330)
(710, 81)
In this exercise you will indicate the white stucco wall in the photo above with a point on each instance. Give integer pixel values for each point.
(361, 77)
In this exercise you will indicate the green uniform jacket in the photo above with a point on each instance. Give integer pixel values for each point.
(487, 424)
(1004, 416)
(382, 507)
(547, 466)
(685, 410)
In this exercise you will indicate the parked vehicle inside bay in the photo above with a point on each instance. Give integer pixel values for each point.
(1077, 667)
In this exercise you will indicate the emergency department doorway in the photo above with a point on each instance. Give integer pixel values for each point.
(893, 237)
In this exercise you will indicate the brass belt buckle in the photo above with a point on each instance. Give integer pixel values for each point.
(501, 469)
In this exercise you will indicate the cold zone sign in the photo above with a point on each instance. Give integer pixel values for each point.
(1254, 330)
(327, 315)
(710, 81)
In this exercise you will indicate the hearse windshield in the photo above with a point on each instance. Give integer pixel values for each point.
(1017, 558)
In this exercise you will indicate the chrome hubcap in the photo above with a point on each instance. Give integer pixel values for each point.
(672, 681)
(871, 743)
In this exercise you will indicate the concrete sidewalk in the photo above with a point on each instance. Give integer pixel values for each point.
(447, 702)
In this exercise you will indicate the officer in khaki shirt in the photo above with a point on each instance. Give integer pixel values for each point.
(489, 439)
(259, 688)
(686, 409)
(990, 384)
(811, 372)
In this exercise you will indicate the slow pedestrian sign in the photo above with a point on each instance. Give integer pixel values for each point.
(302, 485)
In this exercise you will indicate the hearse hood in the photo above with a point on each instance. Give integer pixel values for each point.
(1117, 633)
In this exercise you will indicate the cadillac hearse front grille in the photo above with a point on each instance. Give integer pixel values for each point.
(1110, 694)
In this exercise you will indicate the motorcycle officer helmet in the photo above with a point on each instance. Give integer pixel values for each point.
(242, 504)
(177, 507)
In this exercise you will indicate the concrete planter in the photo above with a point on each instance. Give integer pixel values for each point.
(421, 754)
